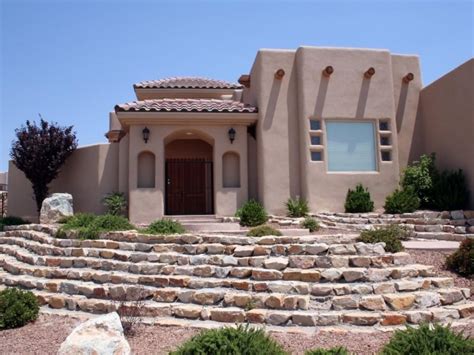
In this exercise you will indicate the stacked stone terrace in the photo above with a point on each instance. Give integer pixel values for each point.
(453, 225)
(301, 281)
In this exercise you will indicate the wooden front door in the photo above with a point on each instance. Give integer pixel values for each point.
(189, 186)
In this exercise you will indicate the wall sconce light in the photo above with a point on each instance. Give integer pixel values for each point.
(369, 73)
(328, 71)
(407, 78)
(146, 134)
(279, 74)
(231, 134)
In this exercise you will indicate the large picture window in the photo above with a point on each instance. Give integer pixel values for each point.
(351, 146)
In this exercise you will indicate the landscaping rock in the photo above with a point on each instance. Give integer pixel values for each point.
(102, 335)
(56, 207)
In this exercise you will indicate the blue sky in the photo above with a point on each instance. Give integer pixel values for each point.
(72, 61)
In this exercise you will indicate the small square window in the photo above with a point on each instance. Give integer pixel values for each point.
(316, 156)
(315, 125)
(315, 140)
(384, 140)
(386, 156)
(383, 126)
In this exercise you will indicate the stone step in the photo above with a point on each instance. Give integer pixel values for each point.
(333, 255)
(308, 318)
(442, 236)
(211, 227)
(306, 283)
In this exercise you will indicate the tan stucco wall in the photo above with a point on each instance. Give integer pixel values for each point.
(147, 205)
(3, 178)
(89, 174)
(446, 122)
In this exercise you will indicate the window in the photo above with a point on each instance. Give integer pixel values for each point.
(315, 125)
(316, 156)
(146, 170)
(386, 156)
(350, 146)
(231, 170)
(383, 126)
(384, 140)
(315, 140)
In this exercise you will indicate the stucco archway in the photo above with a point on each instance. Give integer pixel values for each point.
(189, 173)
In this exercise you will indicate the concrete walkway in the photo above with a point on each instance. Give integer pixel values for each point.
(430, 244)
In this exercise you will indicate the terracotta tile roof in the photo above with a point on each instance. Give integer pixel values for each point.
(186, 105)
(186, 82)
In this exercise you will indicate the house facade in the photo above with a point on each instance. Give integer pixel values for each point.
(310, 122)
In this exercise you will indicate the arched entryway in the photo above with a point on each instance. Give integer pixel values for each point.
(189, 174)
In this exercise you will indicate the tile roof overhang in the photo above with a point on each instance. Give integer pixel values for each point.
(187, 83)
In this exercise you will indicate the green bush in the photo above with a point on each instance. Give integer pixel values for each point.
(165, 226)
(311, 224)
(11, 221)
(89, 226)
(462, 260)
(428, 339)
(17, 308)
(333, 351)
(261, 231)
(358, 200)
(420, 175)
(402, 201)
(252, 214)
(391, 235)
(450, 191)
(115, 203)
(297, 207)
(236, 341)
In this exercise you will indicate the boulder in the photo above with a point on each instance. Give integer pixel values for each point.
(55, 207)
(102, 335)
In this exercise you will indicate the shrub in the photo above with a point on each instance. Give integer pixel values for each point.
(252, 214)
(450, 191)
(89, 226)
(165, 226)
(11, 221)
(420, 176)
(462, 260)
(333, 351)
(358, 200)
(17, 308)
(391, 235)
(297, 207)
(311, 224)
(261, 231)
(434, 339)
(115, 203)
(402, 201)
(235, 341)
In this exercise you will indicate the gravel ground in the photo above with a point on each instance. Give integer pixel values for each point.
(44, 336)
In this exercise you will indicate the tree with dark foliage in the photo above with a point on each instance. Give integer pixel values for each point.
(40, 151)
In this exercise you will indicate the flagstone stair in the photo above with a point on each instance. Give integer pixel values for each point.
(282, 281)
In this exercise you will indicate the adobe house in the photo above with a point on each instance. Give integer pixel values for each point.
(310, 122)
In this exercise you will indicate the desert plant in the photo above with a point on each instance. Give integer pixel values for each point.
(311, 224)
(261, 231)
(391, 235)
(40, 151)
(428, 339)
(297, 207)
(165, 226)
(252, 214)
(332, 351)
(450, 191)
(236, 341)
(11, 221)
(17, 308)
(115, 203)
(420, 176)
(358, 200)
(131, 309)
(402, 201)
(462, 260)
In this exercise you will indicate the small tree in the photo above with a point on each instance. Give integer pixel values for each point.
(40, 151)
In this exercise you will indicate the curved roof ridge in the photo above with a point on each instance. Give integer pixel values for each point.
(186, 82)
